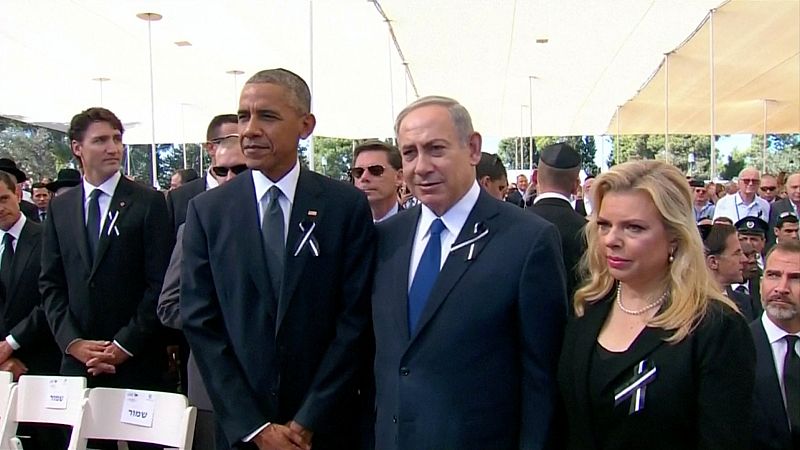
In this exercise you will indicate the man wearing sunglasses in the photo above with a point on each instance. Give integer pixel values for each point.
(221, 127)
(377, 172)
(769, 188)
(703, 208)
(789, 204)
(745, 202)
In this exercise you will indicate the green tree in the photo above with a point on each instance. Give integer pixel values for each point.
(689, 153)
(508, 150)
(38, 151)
(733, 166)
(333, 156)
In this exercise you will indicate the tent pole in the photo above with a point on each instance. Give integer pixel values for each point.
(391, 82)
(711, 76)
(311, 162)
(530, 136)
(764, 141)
(522, 132)
(616, 141)
(666, 107)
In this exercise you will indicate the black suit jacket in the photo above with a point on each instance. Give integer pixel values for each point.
(770, 423)
(580, 207)
(570, 226)
(700, 398)
(479, 370)
(178, 200)
(23, 316)
(112, 297)
(30, 210)
(515, 198)
(747, 305)
(295, 357)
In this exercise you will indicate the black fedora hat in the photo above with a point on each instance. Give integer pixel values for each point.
(8, 165)
(66, 178)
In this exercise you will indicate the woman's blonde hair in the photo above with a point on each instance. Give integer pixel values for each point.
(689, 282)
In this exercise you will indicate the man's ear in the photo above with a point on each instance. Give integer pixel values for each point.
(309, 122)
(712, 262)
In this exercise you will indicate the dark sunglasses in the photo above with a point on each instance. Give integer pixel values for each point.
(223, 171)
(358, 172)
(222, 138)
(768, 188)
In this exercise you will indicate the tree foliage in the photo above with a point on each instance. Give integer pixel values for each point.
(509, 150)
(689, 153)
(38, 151)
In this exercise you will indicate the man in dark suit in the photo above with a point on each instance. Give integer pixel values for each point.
(28, 347)
(41, 197)
(789, 204)
(29, 209)
(515, 196)
(221, 127)
(229, 156)
(378, 173)
(583, 205)
(776, 399)
(106, 246)
(492, 176)
(558, 179)
(463, 360)
(275, 286)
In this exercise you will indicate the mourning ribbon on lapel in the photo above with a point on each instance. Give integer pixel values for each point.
(307, 228)
(635, 388)
(480, 231)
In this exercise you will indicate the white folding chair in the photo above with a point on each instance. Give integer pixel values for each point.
(6, 387)
(140, 416)
(44, 399)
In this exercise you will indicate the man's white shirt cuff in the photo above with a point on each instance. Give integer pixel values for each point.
(13, 342)
(250, 436)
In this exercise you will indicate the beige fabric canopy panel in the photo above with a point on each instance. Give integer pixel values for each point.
(756, 57)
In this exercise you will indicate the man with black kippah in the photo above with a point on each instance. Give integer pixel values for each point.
(558, 179)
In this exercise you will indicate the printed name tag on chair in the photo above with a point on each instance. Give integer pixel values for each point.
(56, 394)
(138, 408)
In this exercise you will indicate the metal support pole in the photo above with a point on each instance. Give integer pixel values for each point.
(530, 136)
(616, 141)
(666, 108)
(311, 163)
(764, 141)
(713, 173)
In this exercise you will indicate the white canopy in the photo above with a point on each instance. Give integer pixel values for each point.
(481, 52)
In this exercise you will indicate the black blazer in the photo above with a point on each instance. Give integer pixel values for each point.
(770, 423)
(23, 316)
(700, 398)
(114, 297)
(178, 200)
(515, 198)
(580, 207)
(749, 308)
(570, 227)
(295, 356)
(479, 370)
(30, 210)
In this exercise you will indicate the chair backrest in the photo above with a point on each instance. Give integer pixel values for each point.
(141, 416)
(6, 386)
(44, 399)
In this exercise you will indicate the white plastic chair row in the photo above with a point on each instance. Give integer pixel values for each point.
(100, 413)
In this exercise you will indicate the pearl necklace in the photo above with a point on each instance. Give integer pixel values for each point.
(638, 312)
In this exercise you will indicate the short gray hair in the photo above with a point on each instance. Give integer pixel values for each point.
(460, 116)
(290, 81)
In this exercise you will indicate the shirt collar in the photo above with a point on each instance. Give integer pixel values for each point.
(108, 187)
(394, 210)
(16, 229)
(211, 182)
(456, 216)
(740, 200)
(287, 184)
(774, 332)
(545, 195)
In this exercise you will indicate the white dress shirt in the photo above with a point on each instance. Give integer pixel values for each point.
(775, 336)
(288, 187)
(734, 208)
(108, 187)
(394, 210)
(453, 220)
(545, 195)
(211, 182)
(16, 231)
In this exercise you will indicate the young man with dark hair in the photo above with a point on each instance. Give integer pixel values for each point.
(105, 249)
(492, 175)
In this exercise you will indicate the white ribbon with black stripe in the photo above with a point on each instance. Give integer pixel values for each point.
(643, 374)
(307, 228)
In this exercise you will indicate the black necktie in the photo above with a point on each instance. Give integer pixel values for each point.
(741, 289)
(791, 385)
(8, 258)
(272, 234)
(42, 216)
(93, 221)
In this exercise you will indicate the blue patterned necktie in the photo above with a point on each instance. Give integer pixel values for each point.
(425, 277)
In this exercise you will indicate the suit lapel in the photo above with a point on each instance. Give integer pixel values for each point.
(120, 203)
(399, 265)
(307, 207)
(458, 261)
(22, 254)
(76, 223)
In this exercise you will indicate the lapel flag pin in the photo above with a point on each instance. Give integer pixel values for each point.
(312, 213)
(121, 204)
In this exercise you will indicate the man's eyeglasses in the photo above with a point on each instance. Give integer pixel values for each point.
(222, 138)
(358, 172)
(750, 180)
(700, 191)
(768, 188)
(221, 171)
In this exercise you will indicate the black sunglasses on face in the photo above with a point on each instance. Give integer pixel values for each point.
(221, 171)
(768, 188)
(358, 172)
(218, 140)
